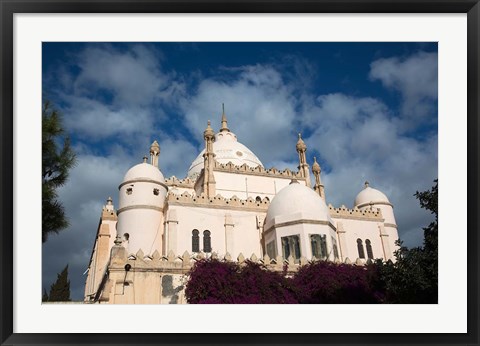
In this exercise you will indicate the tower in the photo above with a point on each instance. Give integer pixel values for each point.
(208, 156)
(302, 158)
(373, 198)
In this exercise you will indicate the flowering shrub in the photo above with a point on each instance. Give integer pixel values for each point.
(217, 282)
(330, 283)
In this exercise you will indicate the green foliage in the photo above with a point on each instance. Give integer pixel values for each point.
(57, 159)
(60, 289)
(413, 278)
(45, 296)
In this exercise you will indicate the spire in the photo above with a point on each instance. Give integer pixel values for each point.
(224, 120)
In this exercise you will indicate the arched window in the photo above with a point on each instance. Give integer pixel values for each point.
(361, 252)
(258, 199)
(195, 241)
(207, 242)
(369, 248)
(319, 246)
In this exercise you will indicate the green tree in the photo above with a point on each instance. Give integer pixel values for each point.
(60, 289)
(413, 278)
(45, 296)
(57, 159)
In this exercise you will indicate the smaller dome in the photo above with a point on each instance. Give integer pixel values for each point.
(144, 171)
(370, 196)
(295, 202)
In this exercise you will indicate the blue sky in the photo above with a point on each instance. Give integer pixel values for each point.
(367, 111)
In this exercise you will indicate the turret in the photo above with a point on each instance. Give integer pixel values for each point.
(316, 170)
(302, 158)
(209, 155)
(370, 198)
(141, 202)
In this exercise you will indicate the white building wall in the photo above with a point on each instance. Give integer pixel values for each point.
(246, 235)
(355, 229)
(145, 229)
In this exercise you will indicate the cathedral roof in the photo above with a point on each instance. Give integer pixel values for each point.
(296, 202)
(227, 149)
(144, 171)
(370, 196)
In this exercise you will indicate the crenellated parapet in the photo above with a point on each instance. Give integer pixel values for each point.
(259, 170)
(218, 201)
(174, 181)
(355, 213)
(182, 264)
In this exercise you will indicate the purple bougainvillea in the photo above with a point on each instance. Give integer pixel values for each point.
(217, 282)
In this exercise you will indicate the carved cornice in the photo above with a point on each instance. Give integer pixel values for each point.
(301, 221)
(142, 180)
(259, 171)
(218, 202)
(343, 212)
(140, 206)
(174, 181)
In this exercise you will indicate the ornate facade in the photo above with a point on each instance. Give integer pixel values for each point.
(229, 206)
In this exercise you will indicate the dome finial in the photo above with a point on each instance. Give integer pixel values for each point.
(145, 159)
(208, 133)
(224, 120)
(301, 146)
(315, 166)
(366, 184)
(154, 153)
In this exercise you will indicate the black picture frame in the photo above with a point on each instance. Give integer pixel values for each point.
(9, 7)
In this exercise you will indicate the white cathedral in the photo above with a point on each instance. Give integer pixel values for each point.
(228, 207)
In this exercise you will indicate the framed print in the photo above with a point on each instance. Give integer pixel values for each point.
(288, 190)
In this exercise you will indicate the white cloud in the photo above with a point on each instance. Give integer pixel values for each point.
(359, 140)
(96, 120)
(133, 76)
(415, 77)
(259, 107)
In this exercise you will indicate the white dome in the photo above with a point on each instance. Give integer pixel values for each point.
(369, 195)
(227, 149)
(144, 171)
(297, 201)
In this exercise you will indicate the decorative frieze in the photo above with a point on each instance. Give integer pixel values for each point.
(355, 213)
(218, 201)
(174, 181)
(259, 170)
